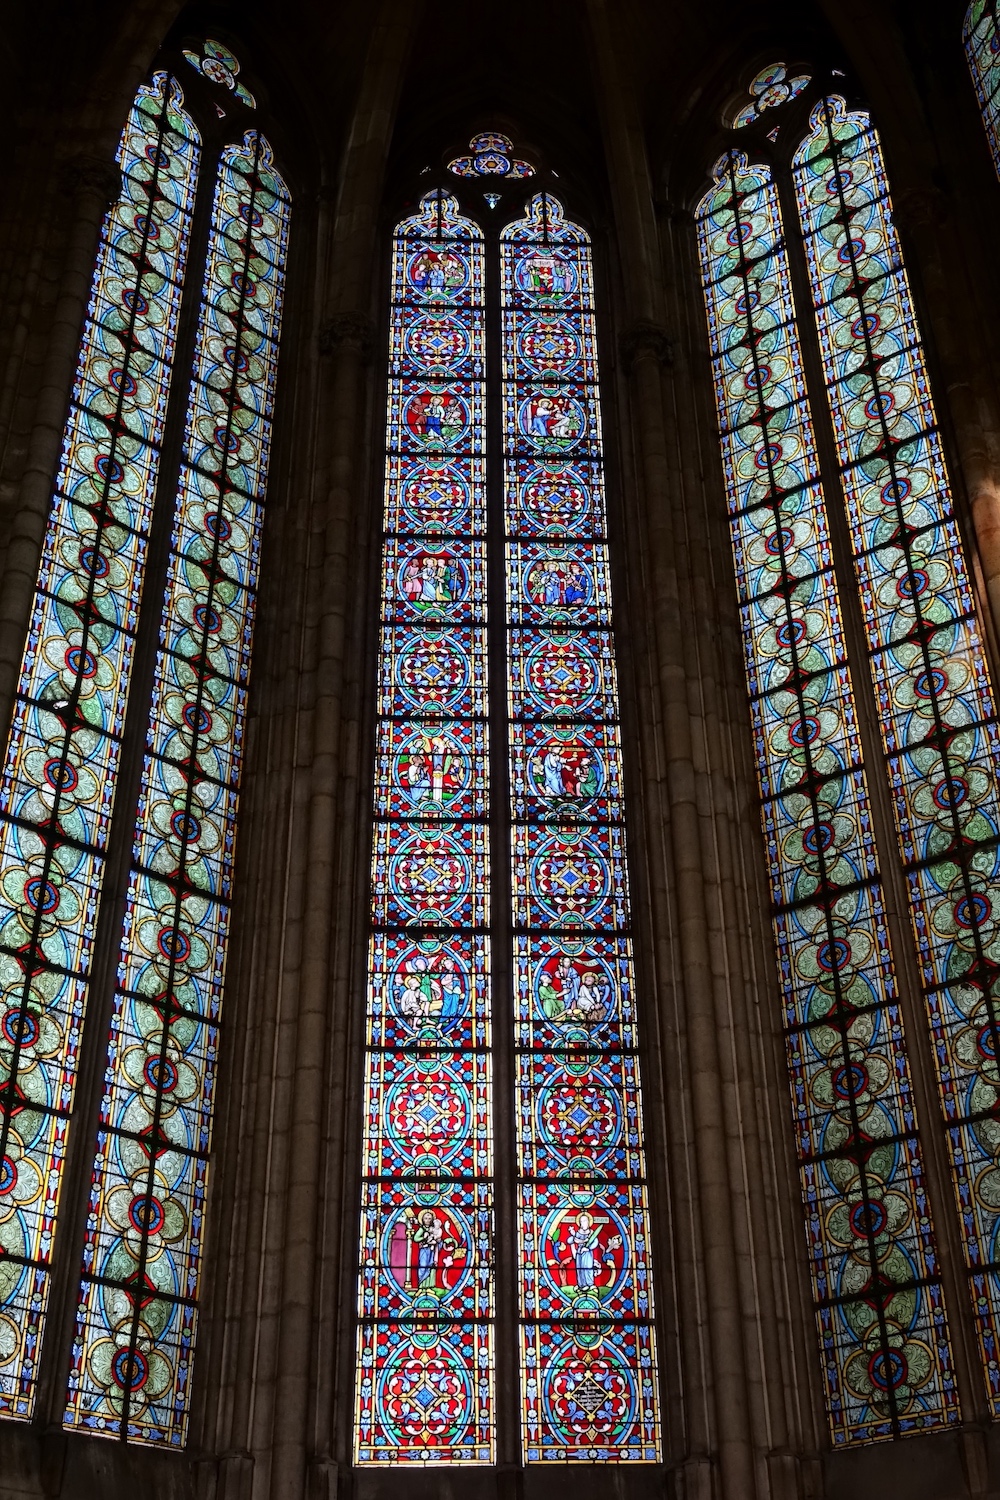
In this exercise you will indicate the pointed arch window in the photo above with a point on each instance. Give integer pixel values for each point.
(906, 712)
(500, 907)
(78, 690)
(981, 36)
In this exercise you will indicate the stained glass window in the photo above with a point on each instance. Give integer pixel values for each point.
(587, 1352)
(771, 87)
(492, 156)
(981, 34)
(425, 1389)
(936, 709)
(875, 1272)
(427, 1302)
(62, 755)
(216, 63)
(143, 1256)
(928, 691)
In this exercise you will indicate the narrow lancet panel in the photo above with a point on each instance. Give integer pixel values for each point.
(875, 1272)
(587, 1347)
(936, 707)
(137, 1320)
(62, 757)
(981, 35)
(425, 1385)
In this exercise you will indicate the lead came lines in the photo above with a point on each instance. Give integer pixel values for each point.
(588, 1362)
(937, 714)
(874, 1267)
(78, 661)
(425, 1344)
(137, 1318)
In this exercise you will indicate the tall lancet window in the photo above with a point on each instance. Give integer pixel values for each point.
(426, 1364)
(63, 751)
(143, 1254)
(500, 907)
(981, 35)
(885, 691)
(588, 1366)
(83, 694)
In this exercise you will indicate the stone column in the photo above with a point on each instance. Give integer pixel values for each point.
(645, 347)
(281, 1365)
(735, 1398)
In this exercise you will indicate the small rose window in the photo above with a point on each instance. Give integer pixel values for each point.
(771, 87)
(218, 65)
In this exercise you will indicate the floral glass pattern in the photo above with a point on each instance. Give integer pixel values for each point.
(936, 708)
(981, 34)
(771, 87)
(216, 63)
(587, 1349)
(492, 156)
(143, 1254)
(62, 755)
(425, 1392)
(875, 1272)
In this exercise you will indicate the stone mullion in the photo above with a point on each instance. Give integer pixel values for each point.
(680, 1287)
(317, 1125)
(664, 492)
(348, 561)
(25, 283)
(688, 1408)
(267, 805)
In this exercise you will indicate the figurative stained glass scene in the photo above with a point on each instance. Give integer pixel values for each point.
(142, 1266)
(426, 1299)
(62, 756)
(587, 1353)
(936, 707)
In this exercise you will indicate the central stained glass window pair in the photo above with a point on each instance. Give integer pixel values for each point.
(451, 873)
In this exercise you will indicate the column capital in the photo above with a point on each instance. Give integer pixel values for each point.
(921, 208)
(645, 340)
(353, 329)
(92, 174)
